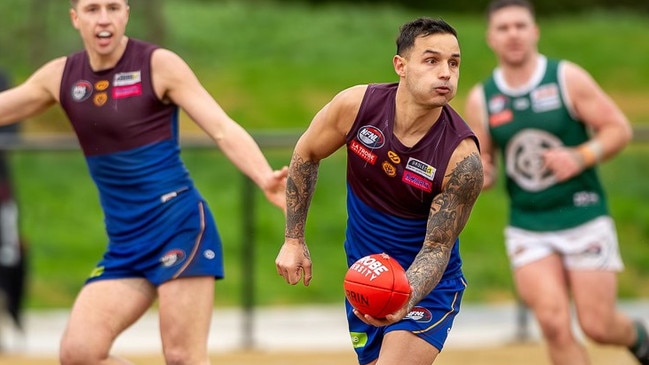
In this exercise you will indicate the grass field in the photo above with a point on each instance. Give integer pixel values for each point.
(273, 74)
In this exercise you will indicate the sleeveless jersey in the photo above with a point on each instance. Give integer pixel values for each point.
(129, 138)
(522, 125)
(390, 187)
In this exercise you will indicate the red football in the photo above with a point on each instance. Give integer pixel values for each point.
(376, 285)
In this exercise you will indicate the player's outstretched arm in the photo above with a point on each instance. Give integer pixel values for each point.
(37, 93)
(326, 134)
(174, 81)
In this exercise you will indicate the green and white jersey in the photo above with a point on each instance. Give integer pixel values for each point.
(523, 123)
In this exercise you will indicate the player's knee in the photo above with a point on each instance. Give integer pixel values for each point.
(596, 331)
(71, 353)
(177, 355)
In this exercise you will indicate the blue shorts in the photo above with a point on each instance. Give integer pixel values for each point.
(431, 319)
(181, 241)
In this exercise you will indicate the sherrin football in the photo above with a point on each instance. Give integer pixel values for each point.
(376, 285)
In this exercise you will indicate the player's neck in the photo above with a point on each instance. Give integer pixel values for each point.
(519, 74)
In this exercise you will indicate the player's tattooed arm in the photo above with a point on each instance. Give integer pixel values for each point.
(300, 186)
(449, 214)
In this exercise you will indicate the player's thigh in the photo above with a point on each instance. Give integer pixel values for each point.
(185, 309)
(403, 347)
(105, 308)
(594, 293)
(543, 283)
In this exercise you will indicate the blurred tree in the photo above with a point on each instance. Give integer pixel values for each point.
(150, 15)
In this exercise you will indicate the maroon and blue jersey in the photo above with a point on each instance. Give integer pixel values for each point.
(391, 186)
(130, 141)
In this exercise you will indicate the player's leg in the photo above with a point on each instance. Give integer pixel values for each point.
(185, 309)
(542, 285)
(403, 347)
(103, 309)
(594, 295)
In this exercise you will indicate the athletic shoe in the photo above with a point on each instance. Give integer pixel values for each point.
(641, 348)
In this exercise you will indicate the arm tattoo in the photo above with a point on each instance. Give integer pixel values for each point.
(300, 185)
(450, 211)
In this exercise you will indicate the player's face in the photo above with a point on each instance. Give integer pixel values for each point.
(101, 23)
(513, 35)
(431, 69)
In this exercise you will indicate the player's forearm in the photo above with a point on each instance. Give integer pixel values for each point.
(300, 186)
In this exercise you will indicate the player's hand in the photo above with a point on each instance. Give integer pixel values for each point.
(563, 162)
(294, 262)
(275, 190)
(380, 322)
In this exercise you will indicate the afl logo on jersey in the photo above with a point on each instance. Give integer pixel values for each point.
(371, 137)
(81, 90)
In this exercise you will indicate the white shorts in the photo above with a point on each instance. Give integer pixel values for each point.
(590, 246)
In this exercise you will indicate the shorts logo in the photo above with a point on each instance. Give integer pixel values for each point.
(417, 181)
(81, 90)
(359, 339)
(389, 169)
(421, 168)
(97, 271)
(420, 314)
(209, 254)
(172, 258)
(362, 152)
(371, 136)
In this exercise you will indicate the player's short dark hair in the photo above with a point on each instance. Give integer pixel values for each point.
(496, 5)
(421, 27)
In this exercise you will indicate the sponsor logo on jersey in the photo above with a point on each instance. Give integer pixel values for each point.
(421, 168)
(417, 181)
(362, 152)
(389, 169)
(394, 157)
(122, 92)
(521, 103)
(81, 90)
(545, 98)
(371, 137)
(127, 84)
(172, 258)
(420, 314)
(127, 78)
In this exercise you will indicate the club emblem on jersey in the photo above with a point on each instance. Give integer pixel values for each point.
(81, 90)
(524, 154)
(101, 85)
(394, 157)
(100, 98)
(371, 137)
(389, 169)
